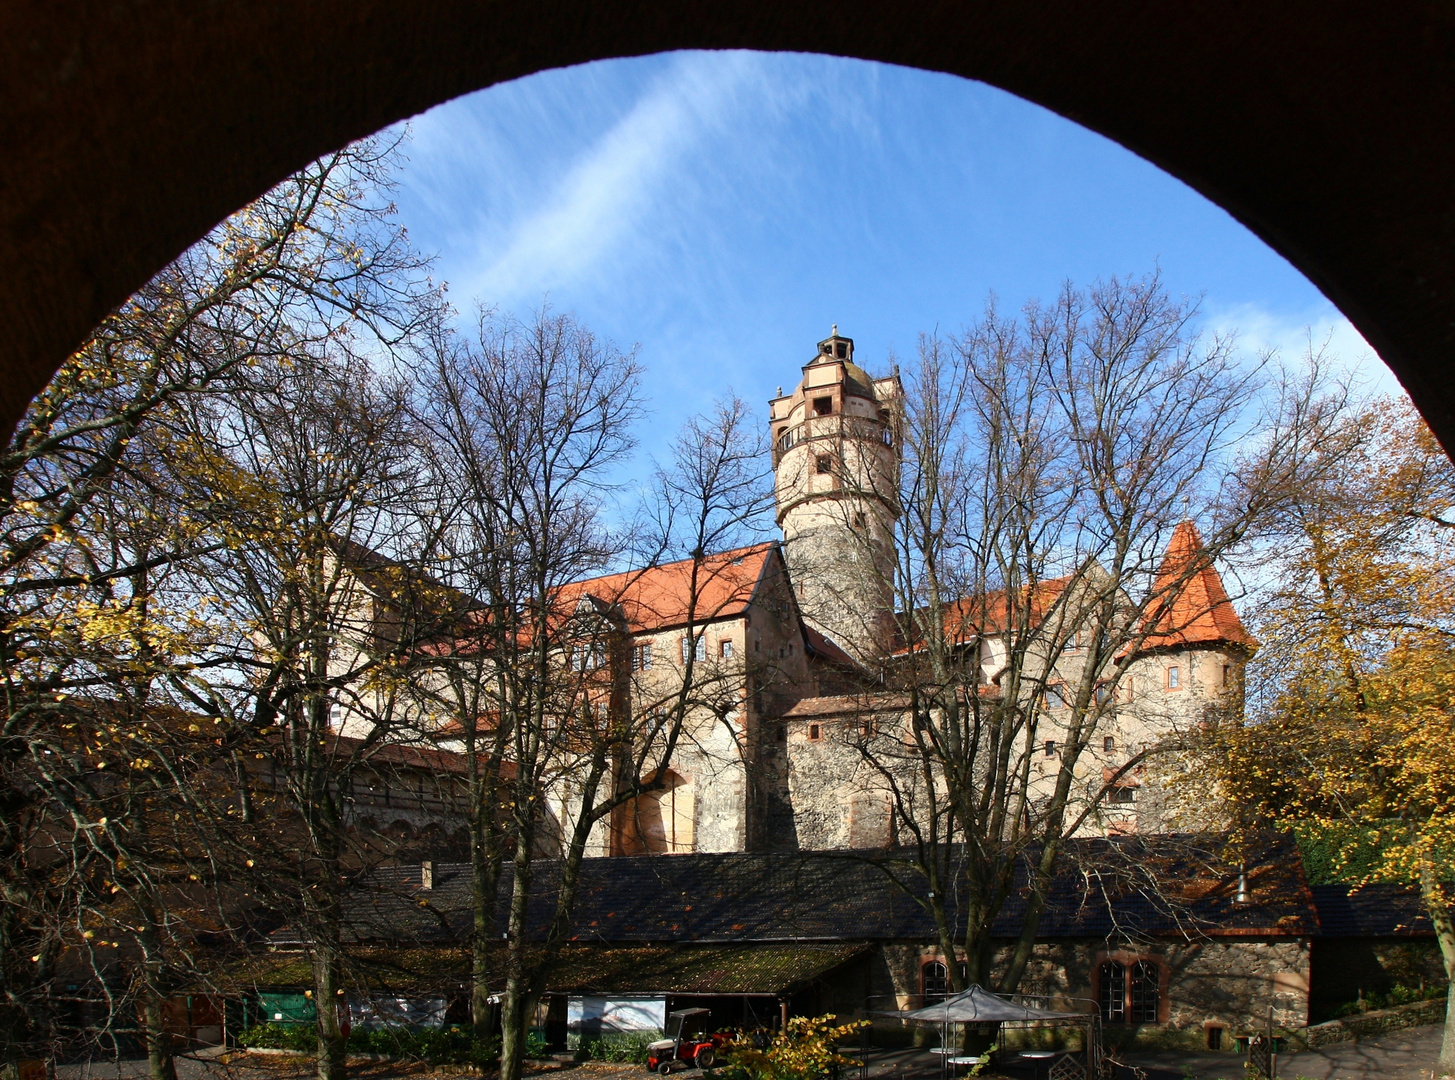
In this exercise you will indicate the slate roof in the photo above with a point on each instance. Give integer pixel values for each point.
(1364, 911)
(1105, 891)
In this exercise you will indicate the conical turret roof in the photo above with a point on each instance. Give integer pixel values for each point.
(1200, 612)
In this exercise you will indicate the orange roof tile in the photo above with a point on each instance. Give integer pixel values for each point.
(1199, 612)
(970, 618)
(659, 597)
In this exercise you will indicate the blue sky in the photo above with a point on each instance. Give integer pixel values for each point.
(721, 210)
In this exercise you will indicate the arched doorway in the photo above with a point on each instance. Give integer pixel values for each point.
(658, 822)
(128, 134)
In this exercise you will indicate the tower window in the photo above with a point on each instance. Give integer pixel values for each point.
(1174, 678)
(824, 464)
(841, 350)
(1227, 674)
(822, 406)
(1050, 748)
(725, 648)
(814, 732)
(1109, 745)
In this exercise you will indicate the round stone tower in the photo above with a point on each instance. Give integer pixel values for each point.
(836, 466)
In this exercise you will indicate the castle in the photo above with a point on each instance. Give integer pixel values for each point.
(797, 644)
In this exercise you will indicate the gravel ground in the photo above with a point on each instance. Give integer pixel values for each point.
(1402, 1055)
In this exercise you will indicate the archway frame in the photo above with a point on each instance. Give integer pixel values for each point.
(126, 131)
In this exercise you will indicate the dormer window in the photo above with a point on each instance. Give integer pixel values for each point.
(823, 406)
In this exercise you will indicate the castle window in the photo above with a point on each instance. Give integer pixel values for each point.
(1050, 748)
(642, 656)
(1174, 678)
(1109, 744)
(1122, 795)
(1227, 674)
(824, 464)
(725, 648)
(822, 406)
(698, 653)
(1128, 683)
(815, 732)
(1056, 696)
(935, 980)
(1104, 693)
(859, 519)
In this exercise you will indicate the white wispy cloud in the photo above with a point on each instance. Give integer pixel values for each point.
(1294, 335)
(597, 208)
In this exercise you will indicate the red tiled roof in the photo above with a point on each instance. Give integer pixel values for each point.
(660, 597)
(971, 617)
(827, 650)
(1199, 612)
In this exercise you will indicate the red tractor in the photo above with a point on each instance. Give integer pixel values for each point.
(687, 1042)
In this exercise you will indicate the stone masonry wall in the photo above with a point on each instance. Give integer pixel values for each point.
(1228, 983)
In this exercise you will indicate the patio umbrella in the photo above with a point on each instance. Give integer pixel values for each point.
(980, 1006)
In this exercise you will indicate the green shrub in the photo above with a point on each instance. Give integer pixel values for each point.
(435, 1046)
(1398, 995)
(626, 1046)
(279, 1037)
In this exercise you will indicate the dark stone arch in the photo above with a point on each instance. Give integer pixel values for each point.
(128, 129)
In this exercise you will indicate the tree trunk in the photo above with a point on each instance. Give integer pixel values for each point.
(326, 986)
(482, 1009)
(514, 1021)
(1438, 908)
(160, 1064)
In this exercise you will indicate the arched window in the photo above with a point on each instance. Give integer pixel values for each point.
(1130, 994)
(936, 980)
(1112, 992)
(1146, 985)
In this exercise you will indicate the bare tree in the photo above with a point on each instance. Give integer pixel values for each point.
(534, 676)
(1047, 461)
(97, 621)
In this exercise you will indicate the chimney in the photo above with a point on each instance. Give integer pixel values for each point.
(426, 874)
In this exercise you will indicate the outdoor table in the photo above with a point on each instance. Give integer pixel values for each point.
(1035, 1057)
(962, 1059)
